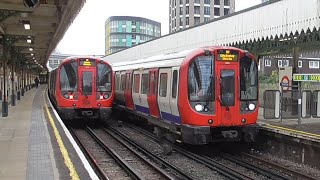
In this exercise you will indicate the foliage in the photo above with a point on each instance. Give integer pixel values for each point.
(272, 79)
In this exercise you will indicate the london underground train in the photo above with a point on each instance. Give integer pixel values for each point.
(82, 87)
(196, 96)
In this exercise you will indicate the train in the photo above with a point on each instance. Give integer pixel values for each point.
(197, 96)
(82, 87)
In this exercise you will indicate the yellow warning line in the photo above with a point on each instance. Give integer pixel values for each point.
(292, 130)
(67, 161)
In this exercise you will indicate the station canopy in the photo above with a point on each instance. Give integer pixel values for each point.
(34, 32)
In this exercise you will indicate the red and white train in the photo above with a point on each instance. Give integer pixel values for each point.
(197, 96)
(82, 87)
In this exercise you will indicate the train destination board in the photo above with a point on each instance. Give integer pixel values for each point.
(227, 55)
(306, 77)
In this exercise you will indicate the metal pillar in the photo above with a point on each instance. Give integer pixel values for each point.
(4, 102)
(22, 81)
(297, 85)
(1, 85)
(13, 96)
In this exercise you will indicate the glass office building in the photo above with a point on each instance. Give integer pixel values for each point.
(122, 32)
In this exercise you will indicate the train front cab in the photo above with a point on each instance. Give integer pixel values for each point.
(85, 89)
(222, 94)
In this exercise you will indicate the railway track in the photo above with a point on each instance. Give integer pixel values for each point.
(224, 170)
(294, 174)
(115, 159)
(274, 172)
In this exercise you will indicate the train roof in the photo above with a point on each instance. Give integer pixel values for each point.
(163, 60)
(77, 57)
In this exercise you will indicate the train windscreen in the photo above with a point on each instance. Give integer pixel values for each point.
(200, 79)
(248, 79)
(68, 77)
(104, 78)
(201, 84)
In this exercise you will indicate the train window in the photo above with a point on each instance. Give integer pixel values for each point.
(144, 84)
(117, 82)
(227, 87)
(174, 83)
(136, 83)
(163, 85)
(123, 82)
(68, 77)
(248, 79)
(104, 77)
(87, 83)
(201, 80)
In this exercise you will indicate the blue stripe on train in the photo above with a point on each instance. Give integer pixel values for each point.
(142, 109)
(170, 117)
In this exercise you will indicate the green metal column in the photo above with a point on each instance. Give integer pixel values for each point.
(297, 85)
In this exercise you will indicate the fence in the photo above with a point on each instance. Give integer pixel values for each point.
(285, 105)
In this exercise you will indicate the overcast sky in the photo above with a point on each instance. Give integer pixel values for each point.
(86, 34)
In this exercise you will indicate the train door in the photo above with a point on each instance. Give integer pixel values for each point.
(174, 94)
(152, 93)
(128, 90)
(164, 94)
(228, 107)
(140, 90)
(87, 86)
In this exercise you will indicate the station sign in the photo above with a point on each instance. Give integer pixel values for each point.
(285, 78)
(228, 55)
(87, 62)
(306, 77)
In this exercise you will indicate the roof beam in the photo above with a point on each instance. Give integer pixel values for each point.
(15, 7)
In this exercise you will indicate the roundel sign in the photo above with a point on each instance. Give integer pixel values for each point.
(285, 83)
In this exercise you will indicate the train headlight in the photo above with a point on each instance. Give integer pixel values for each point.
(71, 97)
(252, 106)
(66, 95)
(106, 96)
(199, 107)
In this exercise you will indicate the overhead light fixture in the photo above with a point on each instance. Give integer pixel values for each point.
(31, 54)
(30, 49)
(31, 3)
(26, 24)
(29, 41)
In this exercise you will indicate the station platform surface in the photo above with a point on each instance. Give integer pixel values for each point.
(34, 145)
(309, 128)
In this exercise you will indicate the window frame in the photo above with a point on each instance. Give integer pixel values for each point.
(160, 85)
(144, 84)
(136, 83)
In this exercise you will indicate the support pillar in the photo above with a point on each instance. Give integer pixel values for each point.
(4, 102)
(296, 85)
(22, 81)
(13, 88)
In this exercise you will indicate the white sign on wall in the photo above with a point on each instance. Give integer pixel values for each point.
(285, 78)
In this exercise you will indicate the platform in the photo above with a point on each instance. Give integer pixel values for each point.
(309, 128)
(34, 145)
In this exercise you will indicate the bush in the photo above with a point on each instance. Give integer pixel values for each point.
(273, 79)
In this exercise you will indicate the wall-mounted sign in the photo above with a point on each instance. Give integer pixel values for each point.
(306, 77)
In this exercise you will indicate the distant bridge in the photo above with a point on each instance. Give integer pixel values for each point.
(269, 28)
